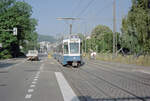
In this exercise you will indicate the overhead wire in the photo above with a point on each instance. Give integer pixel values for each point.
(87, 6)
(104, 7)
(77, 6)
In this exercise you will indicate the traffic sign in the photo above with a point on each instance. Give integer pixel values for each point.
(1, 45)
(14, 31)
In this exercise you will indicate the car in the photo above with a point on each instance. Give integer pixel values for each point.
(32, 55)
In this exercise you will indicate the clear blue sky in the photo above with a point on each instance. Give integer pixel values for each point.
(98, 12)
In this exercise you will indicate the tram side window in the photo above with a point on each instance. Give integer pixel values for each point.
(66, 48)
(81, 48)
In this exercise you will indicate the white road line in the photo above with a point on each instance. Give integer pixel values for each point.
(35, 79)
(66, 90)
(32, 86)
(41, 68)
(30, 90)
(28, 96)
(34, 82)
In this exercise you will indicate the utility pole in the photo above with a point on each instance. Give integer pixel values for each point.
(114, 28)
(85, 36)
(65, 19)
(70, 29)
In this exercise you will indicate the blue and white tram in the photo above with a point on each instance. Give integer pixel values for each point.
(69, 51)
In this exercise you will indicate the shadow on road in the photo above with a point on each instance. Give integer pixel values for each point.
(5, 65)
(88, 98)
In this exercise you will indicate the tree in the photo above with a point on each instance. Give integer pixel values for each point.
(135, 28)
(101, 39)
(16, 14)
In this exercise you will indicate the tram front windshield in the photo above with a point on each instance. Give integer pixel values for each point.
(74, 48)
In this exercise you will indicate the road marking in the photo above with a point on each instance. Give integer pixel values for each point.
(32, 86)
(41, 68)
(35, 79)
(30, 90)
(34, 82)
(66, 90)
(28, 96)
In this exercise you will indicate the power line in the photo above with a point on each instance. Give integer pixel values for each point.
(77, 6)
(104, 8)
(87, 6)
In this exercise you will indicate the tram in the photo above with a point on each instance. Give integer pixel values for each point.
(69, 51)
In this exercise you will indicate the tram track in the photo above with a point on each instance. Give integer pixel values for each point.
(104, 88)
(120, 69)
(84, 96)
(118, 85)
(81, 72)
(127, 75)
(77, 91)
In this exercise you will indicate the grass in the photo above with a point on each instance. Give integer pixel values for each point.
(128, 59)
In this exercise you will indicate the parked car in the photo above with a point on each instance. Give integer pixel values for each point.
(32, 55)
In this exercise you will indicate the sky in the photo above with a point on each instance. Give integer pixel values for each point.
(90, 12)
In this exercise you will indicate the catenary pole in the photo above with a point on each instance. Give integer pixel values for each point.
(114, 28)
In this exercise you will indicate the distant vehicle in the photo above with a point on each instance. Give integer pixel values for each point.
(32, 55)
(68, 52)
(93, 55)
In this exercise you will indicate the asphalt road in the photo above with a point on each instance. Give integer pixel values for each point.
(47, 80)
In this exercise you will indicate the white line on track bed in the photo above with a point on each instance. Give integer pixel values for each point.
(66, 90)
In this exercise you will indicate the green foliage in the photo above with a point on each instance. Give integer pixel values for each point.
(16, 14)
(136, 28)
(101, 39)
(6, 50)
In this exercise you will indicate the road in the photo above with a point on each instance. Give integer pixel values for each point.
(47, 80)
